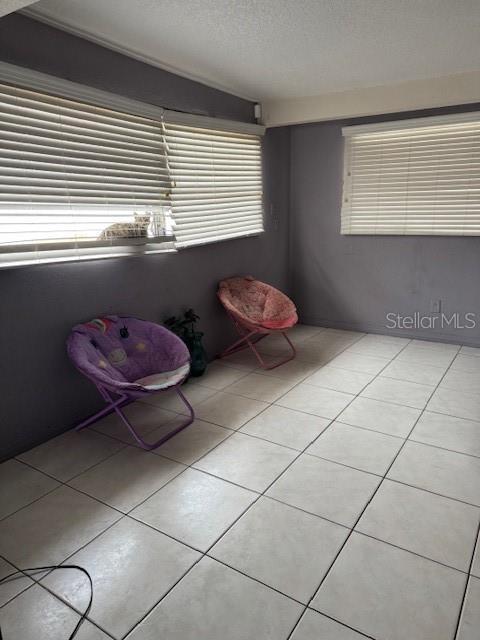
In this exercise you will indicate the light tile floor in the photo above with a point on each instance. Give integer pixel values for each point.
(334, 498)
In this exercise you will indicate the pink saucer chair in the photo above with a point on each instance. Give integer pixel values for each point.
(128, 359)
(257, 310)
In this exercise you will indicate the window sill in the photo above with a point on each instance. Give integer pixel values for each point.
(121, 248)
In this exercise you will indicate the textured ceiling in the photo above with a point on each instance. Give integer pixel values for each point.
(268, 49)
(8, 6)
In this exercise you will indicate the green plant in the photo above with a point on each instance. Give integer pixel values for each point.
(184, 328)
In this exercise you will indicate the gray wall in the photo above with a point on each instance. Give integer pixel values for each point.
(41, 394)
(342, 281)
(354, 281)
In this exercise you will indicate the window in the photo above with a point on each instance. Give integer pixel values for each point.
(413, 177)
(74, 175)
(217, 184)
(79, 179)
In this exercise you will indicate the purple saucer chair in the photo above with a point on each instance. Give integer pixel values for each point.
(128, 359)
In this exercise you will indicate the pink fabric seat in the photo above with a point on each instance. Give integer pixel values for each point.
(257, 304)
(257, 309)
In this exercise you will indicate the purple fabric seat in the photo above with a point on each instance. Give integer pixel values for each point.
(130, 358)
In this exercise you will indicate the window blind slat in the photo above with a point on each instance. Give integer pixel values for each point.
(217, 184)
(73, 173)
(417, 179)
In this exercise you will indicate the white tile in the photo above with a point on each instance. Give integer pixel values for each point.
(245, 360)
(14, 585)
(144, 417)
(393, 419)
(325, 489)
(314, 626)
(379, 337)
(322, 348)
(435, 346)
(338, 379)
(282, 547)
(218, 376)
(360, 448)
(448, 432)
(247, 461)
(422, 355)
(409, 394)
(20, 485)
(193, 442)
(304, 331)
(128, 558)
(71, 453)
(466, 363)
(170, 400)
(260, 387)
(456, 403)
(335, 337)
(88, 631)
(386, 592)
(359, 362)
(438, 528)
(475, 570)
(286, 427)
(345, 334)
(274, 345)
(470, 619)
(195, 508)
(377, 348)
(293, 371)
(461, 381)
(320, 402)
(220, 604)
(413, 372)
(127, 478)
(52, 528)
(470, 351)
(453, 475)
(229, 410)
(37, 615)
(315, 356)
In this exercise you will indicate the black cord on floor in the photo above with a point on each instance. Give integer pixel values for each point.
(63, 566)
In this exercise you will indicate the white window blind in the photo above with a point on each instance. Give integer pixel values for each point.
(74, 175)
(217, 183)
(417, 177)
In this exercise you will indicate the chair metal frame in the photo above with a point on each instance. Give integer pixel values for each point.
(250, 336)
(126, 398)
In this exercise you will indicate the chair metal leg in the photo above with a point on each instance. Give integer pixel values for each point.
(247, 339)
(266, 366)
(110, 408)
(122, 401)
(242, 343)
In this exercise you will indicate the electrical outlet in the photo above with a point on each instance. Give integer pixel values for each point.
(435, 306)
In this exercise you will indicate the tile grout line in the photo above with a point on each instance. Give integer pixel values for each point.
(37, 582)
(123, 515)
(233, 431)
(467, 582)
(376, 490)
(127, 514)
(236, 519)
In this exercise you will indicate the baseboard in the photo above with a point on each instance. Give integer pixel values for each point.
(370, 327)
